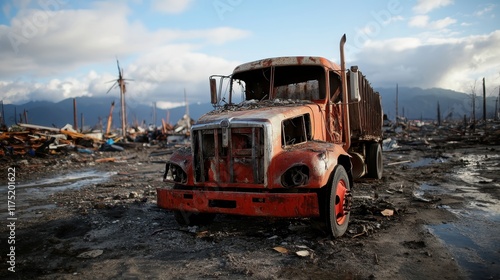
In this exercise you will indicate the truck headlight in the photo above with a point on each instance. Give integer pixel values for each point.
(173, 172)
(295, 176)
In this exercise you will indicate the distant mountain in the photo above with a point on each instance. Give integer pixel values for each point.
(95, 110)
(414, 103)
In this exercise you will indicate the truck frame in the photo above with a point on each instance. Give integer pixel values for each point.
(303, 130)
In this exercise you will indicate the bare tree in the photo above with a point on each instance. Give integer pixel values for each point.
(473, 96)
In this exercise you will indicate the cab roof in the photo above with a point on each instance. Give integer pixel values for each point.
(287, 61)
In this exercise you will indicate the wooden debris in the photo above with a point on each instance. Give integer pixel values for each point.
(387, 212)
(37, 140)
(280, 249)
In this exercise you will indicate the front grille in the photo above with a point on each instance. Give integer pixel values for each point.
(229, 155)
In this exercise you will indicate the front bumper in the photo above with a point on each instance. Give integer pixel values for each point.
(240, 203)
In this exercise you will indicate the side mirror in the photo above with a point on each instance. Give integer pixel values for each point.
(213, 92)
(354, 84)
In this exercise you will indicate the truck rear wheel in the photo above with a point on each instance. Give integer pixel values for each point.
(185, 218)
(374, 161)
(338, 200)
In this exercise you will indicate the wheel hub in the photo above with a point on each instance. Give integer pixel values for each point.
(343, 202)
(347, 202)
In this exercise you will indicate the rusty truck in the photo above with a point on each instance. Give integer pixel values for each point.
(286, 138)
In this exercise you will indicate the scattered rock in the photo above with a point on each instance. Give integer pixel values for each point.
(132, 195)
(90, 254)
(303, 253)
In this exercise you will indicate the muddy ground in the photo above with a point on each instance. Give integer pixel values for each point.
(78, 219)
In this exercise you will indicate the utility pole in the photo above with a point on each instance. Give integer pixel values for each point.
(438, 115)
(465, 124)
(187, 110)
(396, 104)
(120, 82)
(25, 116)
(110, 118)
(498, 102)
(496, 109)
(3, 116)
(484, 100)
(154, 114)
(75, 119)
(474, 109)
(82, 122)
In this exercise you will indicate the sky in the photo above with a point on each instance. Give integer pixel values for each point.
(51, 50)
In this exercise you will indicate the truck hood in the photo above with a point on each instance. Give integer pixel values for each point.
(268, 111)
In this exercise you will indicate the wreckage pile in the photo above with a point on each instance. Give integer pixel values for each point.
(416, 133)
(39, 141)
(33, 140)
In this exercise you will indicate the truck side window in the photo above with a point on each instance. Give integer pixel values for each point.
(335, 87)
(296, 130)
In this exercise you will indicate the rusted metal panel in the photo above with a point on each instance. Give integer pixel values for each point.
(240, 203)
(319, 157)
(366, 116)
(272, 112)
(287, 61)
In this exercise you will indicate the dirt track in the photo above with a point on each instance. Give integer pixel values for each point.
(107, 225)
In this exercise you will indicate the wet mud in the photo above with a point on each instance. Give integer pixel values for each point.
(433, 214)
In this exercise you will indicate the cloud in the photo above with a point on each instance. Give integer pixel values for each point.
(171, 6)
(442, 23)
(90, 84)
(419, 21)
(425, 6)
(6, 10)
(160, 66)
(422, 21)
(485, 10)
(71, 38)
(452, 63)
(372, 28)
(167, 72)
(161, 76)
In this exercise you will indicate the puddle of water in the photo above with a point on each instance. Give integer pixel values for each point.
(477, 255)
(40, 207)
(63, 179)
(474, 239)
(40, 189)
(75, 180)
(434, 189)
(425, 162)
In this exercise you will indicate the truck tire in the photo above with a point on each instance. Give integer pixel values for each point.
(337, 202)
(374, 161)
(185, 218)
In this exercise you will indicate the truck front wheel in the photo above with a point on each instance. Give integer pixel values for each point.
(338, 200)
(185, 218)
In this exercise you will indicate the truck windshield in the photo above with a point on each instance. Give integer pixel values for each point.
(301, 82)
